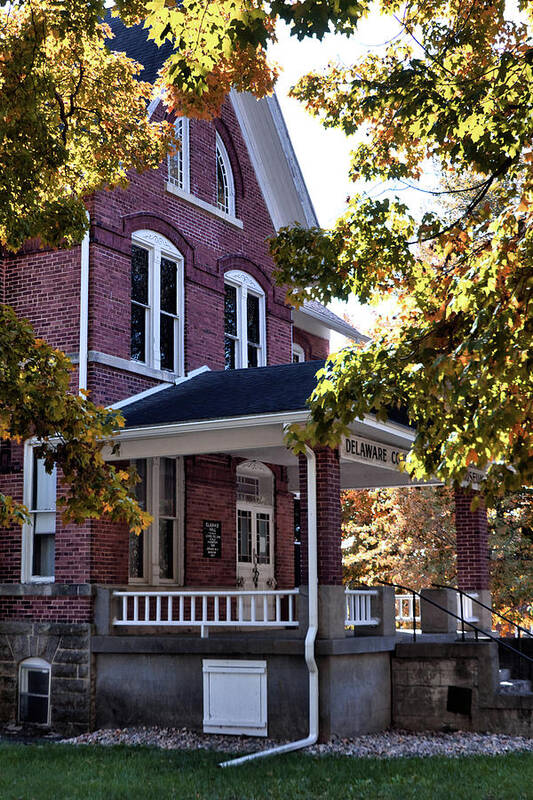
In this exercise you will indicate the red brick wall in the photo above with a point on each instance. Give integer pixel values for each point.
(472, 542)
(46, 609)
(211, 495)
(314, 347)
(329, 551)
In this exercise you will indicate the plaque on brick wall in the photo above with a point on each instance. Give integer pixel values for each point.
(212, 530)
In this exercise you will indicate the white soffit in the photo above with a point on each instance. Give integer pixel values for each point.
(274, 160)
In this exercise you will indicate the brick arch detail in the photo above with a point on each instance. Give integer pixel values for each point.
(227, 263)
(147, 221)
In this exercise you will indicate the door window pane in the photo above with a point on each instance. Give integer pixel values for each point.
(167, 487)
(166, 548)
(263, 538)
(244, 535)
(139, 275)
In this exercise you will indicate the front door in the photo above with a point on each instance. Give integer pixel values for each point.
(255, 548)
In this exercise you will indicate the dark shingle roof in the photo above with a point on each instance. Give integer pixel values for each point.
(135, 43)
(231, 393)
(227, 393)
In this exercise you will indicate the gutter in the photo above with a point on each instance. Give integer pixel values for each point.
(311, 630)
(84, 312)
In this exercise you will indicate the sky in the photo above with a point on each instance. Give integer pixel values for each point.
(324, 154)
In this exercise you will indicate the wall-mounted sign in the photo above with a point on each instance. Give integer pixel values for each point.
(212, 530)
(365, 451)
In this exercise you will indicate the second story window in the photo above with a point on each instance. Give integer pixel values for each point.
(244, 321)
(38, 548)
(156, 302)
(225, 184)
(178, 164)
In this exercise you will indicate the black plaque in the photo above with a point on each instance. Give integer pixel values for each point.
(212, 538)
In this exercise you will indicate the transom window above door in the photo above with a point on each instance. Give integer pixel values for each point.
(244, 321)
(156, 302)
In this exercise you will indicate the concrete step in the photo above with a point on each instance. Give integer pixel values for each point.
(515, 686)
(504, 674)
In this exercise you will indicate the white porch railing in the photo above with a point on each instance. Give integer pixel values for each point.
(359, 607)
(274, 608)
(468, 608)
(407, 608)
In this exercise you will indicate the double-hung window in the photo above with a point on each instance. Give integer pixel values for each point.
(225, 182)
(39, 534)
(34, 691)
(155, 554)
(156, 302)
(244, 321)
(298, 354)
(178, 163)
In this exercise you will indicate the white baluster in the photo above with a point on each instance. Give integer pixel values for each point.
(124, 608)
(204, 608)
(193, 608)
(228, 608)
(278, 608)
(240, 615)
(169, 608)
(253, 608)
(265, 608)
(182, 609)
(136, 608)
(158, 608)
(147, 609)
(216, 608)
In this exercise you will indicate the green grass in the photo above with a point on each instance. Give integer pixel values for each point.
(54, 772)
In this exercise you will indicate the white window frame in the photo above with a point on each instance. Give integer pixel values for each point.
(34, 664)
(158, 247)
(28, 534)
(182, 155)
(245, 284)
(151, 568)
(298, 351)
(222, 154)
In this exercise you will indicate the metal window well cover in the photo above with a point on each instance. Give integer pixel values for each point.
(235, 697)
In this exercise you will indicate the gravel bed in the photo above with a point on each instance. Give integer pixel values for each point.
(388, 744)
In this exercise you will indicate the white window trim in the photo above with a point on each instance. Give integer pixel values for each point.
(221, 150)
(34, 663)
(159, 246)
(211, 209)
(185, 163)
(151, 549)
(244, 283)
(297, 350)
(27, 527)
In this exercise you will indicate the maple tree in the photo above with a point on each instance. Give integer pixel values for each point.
(455, 90)
(407, 536)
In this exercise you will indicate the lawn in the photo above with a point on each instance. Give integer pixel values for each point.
(54, 772)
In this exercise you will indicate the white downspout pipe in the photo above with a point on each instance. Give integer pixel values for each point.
(311, 630)
(84, 312)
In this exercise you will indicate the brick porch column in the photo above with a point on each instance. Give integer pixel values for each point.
(330, 590)
(472, 551)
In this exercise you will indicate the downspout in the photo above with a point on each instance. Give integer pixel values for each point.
(84, 312)
(311, 630)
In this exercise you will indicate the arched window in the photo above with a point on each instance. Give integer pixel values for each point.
(156, 302)
(297, 353)
(178, 164)
(34, 691)
(225, 182)
(244, 321)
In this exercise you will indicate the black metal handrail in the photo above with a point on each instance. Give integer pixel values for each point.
(483, 605)
(456, 616)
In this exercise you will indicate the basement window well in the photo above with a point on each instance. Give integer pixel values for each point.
(34, 691)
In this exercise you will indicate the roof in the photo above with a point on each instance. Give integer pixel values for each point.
(315, 309)
(135, 43)
(223, 394)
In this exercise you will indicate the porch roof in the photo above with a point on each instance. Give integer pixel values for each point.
(224, 394)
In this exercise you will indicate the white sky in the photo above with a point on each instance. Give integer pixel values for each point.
(324, 153)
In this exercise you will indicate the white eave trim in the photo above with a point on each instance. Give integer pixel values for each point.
(339, 326)
(160, 386)
(223, 423)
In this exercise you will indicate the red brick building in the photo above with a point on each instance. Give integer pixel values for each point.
(169, 311)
